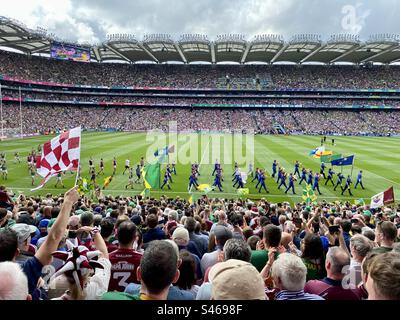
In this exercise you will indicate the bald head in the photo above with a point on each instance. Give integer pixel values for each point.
(336, 260)
(13, 282)
(286, 239)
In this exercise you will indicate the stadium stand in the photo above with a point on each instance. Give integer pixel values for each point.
(281, 251)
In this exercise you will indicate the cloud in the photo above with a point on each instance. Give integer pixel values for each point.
(86, 20)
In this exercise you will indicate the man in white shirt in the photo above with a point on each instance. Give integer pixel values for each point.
(127, 165)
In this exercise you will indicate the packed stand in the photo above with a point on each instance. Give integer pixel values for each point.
(198, 76)
(131, 248)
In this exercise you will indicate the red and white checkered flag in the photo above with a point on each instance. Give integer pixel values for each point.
(60, 154)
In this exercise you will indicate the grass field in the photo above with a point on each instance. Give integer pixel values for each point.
(379, 158)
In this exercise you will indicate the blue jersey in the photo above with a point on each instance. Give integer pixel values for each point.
(316, 180)
(340, 178)
(348, 181)
(359, 177)
(138, 171)
(330, 173)
(296, 166)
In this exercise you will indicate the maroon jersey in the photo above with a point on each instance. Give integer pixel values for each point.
(124, 263)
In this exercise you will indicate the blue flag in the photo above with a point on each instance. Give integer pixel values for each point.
(348, 161)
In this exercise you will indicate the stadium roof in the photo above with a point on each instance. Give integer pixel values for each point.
(160, 48)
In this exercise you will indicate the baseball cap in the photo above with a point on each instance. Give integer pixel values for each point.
(367, 213)
(44, 223)
(23, 231)
(181, 236)
(236, 280)
(222, 233)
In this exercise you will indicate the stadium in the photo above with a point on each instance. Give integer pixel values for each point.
(204, 134)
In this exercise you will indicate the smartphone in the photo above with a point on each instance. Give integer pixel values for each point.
(354, 220)
(333, 229)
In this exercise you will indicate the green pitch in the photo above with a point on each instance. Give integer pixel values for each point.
(379, 158)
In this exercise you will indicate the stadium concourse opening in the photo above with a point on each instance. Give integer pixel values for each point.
(288, 189)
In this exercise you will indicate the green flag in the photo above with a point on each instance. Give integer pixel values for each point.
(359, 202)
(329, 158)
(151, 176)
(309, 195)
(242, 193)
(193, 198)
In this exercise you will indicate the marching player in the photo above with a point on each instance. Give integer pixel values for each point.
(303, 175)
(262, 182)
(91, 164)
(340, 178)
(256, 175)
(283, 180)
(316, 183)
(169, 173)
(217, 182)
(330, 177)
(292, 178)
(166, 181)
(274, 166)
(114, 166)
(141, 162)
(192, 181)
(296, 168)
(138, 173)
(101, 166)
(347, 186)
(59, 180)
(239, 182)
(130, 179)
(310, 177)
(93, 176)
(174, 167)
(127, 165)
(17, 158)
(216, 165)
(359, 181)
(250, 173)
(322, 170)
(33, 174)
(4, 170)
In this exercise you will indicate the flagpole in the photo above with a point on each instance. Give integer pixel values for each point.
(1, 113)
(79, 161)
(20, 112)
(352, 166)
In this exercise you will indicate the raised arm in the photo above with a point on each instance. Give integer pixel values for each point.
(57, 231)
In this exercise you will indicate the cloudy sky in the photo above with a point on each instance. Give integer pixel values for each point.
(92, 20)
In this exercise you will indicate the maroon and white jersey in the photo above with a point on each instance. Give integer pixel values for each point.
(124, 263)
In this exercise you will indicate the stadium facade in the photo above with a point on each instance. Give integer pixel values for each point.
(161, 48)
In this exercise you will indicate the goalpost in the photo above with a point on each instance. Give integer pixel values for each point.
(10, 132)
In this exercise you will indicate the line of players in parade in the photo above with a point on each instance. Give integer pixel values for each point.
(259, 176)
(283, 179)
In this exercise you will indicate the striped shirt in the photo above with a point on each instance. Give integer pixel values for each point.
(296, 295)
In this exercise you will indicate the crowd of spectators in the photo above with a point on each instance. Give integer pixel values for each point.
(134, 248)
(188, 101)
(40, 118)
(198, 76)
